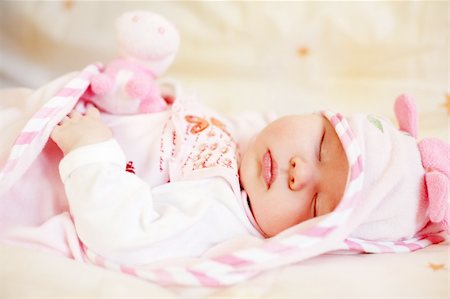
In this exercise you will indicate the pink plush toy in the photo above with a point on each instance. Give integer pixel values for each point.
(148, 44)
(435, 156)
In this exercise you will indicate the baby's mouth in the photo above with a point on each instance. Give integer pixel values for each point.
(269, 169)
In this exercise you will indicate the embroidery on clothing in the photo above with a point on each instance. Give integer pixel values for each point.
(130, 167)
(213, 145)
(166, 145)
(199, 123)
(376, 122)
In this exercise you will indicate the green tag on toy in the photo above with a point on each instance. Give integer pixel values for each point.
(376, 122)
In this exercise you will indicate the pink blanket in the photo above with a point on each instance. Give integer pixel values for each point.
(34, 211)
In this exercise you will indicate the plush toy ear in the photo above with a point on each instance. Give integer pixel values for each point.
(435, 155)
(405, 110)
(437, 189)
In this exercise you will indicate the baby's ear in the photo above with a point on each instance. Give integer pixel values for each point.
(405, 110)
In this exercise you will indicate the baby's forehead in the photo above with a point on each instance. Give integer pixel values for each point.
(303, 117)
(304, 122)
(316, 118)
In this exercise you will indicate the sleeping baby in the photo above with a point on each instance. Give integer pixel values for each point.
(206, 178)
(181, 179)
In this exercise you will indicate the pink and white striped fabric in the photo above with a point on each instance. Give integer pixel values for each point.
(241, 265)
(37, 130)
(329, 233)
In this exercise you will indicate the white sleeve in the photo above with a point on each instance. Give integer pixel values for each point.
(110, 206)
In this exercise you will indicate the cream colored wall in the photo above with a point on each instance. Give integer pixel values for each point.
(239, 56)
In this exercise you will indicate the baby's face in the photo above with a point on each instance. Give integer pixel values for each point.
(294, 169)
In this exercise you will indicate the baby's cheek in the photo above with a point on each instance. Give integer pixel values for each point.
(327, 208)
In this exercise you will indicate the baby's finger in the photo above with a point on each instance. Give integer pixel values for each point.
(64, 120)
(56, 132)
(93, 112)
(74, 114)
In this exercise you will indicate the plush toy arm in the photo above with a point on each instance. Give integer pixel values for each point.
(153, 102)
(101, 84)
(139, 85)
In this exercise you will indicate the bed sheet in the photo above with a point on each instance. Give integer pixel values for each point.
(421, 274)
(240, 56)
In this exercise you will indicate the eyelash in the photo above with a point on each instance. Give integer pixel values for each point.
(320, 159)
(321, 144)
(315, 205)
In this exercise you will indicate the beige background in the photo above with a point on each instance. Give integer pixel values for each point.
(289, 57)
(239, 56)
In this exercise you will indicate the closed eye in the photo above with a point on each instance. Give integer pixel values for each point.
(315, 205)
(321, 145)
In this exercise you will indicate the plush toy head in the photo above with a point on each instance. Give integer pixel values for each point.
(147, 38)
(147, 44)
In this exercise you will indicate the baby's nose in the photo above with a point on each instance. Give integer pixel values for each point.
(299, 174)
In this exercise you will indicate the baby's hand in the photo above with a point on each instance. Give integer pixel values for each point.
(76, 130)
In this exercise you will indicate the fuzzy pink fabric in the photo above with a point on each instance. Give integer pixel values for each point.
(406, 184)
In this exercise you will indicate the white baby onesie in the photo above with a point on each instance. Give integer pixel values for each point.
(184, 198)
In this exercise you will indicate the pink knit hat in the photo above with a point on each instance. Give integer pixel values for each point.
(405, 187)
